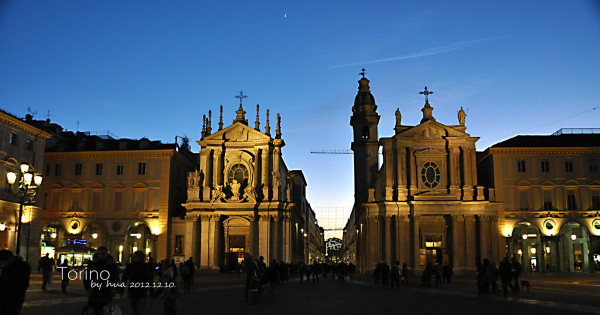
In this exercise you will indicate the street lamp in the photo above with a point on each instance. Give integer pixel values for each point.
(29, 183)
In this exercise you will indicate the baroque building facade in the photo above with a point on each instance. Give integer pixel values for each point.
(550, 188)
(423, 204)
(124, 194)
(22, 142)
(243, 200)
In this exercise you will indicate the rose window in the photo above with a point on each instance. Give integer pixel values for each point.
(430, 175)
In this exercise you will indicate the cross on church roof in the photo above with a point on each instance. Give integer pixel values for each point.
(426, 93)
(363, 73)
(241, 97)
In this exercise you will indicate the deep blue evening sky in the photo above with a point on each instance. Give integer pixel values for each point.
(152, 68)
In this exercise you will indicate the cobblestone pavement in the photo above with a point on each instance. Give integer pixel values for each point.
(215, 293)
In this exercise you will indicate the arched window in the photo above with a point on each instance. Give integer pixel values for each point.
(238, 172)
(365, 132)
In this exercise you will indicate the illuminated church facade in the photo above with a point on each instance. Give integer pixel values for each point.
(423, 202)
(243, 200)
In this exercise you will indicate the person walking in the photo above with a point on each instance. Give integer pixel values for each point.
(45, 266)
(272, 275)
(100, 293)
(516, 270)
(377, 273)
(479, 275)
(404, 274)
(506, 276)
(64, 275)
(395, 275)
(250, 269)
(301, 271)
(137, 272)
(170, 292)
(341, 271)
(191, 266)
(437, 270)
(427, 275)
(495, 274)
(486, 278)
(316, 269)
(447, 273)
(385, 274)
(14, 281)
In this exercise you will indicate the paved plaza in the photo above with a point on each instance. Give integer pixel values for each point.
(215, 293)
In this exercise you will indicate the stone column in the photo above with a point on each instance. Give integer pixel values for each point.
(215, 241)
(252, 237)
(191, 236)
(373, 250)
(401, 173)
(388, 240)
(276, 238)
(204, 241)
(286, 239)
(388, 157)
(458, 242)
(205, 163)
(403, 239)
(485, 247)
(276, 182)
(454, 167)
(416, 243)
(470, 242)
(495, 236)
(468, 187)
(413, 171)
(255, 170)
(263, 236)
(218, 167)
(265, 173)
(473, 167)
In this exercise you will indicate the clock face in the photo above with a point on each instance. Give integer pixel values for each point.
(368, 156)
(430, 175)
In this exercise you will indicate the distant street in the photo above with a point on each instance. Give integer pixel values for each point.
(215, 293)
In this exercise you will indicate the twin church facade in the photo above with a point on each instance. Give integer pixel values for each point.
(432, 198)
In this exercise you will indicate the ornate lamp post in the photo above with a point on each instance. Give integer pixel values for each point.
(29, 183)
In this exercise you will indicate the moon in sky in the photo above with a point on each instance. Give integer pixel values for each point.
(285, 15)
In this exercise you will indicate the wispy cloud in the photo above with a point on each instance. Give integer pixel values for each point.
(422, 53)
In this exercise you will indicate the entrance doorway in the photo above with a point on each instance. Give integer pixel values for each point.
(237, 252)
(433, 250)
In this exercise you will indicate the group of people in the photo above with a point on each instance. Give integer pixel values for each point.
(137, 280)
(441, 273)
(488, 274)
(258, 274)
(390, 276)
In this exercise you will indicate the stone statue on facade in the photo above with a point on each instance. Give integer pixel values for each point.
(398, 118)
(235, 189)
(217, 193)
(276, 179)
(193, 179)
(249, 194)
(461, 116)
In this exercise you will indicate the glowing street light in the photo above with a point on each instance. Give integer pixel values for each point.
(29, 185)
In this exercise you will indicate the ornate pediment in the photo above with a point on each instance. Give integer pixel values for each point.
(431, 130)
(238, 132)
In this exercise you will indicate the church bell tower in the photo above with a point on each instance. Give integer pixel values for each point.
(365, 144)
